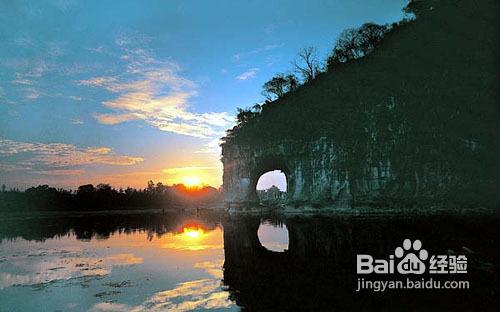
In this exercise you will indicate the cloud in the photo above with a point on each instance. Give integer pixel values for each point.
(211, 147)
(249, 74)
(110, 307)
(112, 119)
(32, 94)
(77, 121)
(154, 92)
(25, 82)
(57, 158)
(241, 55)
(61, 172)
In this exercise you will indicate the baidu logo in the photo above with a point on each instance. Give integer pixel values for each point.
(411, 258)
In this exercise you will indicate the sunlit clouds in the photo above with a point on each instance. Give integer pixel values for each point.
(153, 91)
(57, 158)
(61, 154)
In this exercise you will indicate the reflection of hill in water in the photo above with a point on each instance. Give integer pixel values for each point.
(88, 227)
(318, 271)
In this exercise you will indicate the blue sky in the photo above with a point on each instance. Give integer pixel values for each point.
(126, 91)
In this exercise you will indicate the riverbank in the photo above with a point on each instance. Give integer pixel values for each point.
(369, 211)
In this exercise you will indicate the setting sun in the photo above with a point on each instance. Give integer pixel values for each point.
(191, 181)
(193, 232)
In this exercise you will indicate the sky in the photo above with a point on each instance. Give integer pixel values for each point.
(123, 92)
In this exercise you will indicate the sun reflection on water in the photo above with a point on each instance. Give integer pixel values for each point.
(193, 237)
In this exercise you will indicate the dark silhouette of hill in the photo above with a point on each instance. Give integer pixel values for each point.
(426, 99)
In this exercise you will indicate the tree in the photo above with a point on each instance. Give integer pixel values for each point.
(369, 36)
(276, 87)
(307, 64)
(345, 47)
(354, 43)
(151, 187)
(293, 82)
(3, 188)
(103, 187)
(160, 188)
(244, 115)
(279, 85)
(84, 189)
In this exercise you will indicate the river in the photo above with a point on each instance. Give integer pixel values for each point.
(210, 261)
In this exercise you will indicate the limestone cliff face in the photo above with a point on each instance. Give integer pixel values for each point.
(315, 172)
(415, 121)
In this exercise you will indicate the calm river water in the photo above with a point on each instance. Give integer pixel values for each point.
(184, 262)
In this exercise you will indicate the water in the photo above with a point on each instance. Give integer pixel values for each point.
(183, 262)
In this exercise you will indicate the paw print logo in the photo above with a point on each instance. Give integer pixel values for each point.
(411, 263)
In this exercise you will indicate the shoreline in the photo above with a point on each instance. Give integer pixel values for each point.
(287, 211)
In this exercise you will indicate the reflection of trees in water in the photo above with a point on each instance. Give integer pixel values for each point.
(318, 271)
(102, 226)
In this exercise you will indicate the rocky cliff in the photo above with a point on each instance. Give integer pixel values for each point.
(416, 121)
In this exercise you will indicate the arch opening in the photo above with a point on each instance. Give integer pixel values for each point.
(273, 236)
(272, 187)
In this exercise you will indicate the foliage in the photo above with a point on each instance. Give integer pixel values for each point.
(104, 197)
(279, 85)
(356, 43)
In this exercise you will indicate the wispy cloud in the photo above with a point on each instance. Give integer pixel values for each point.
(75, 98)
(57, 158)
(32, 93)
(154, 92)
(60, 172)
(25, 82)
(113, 119)
(77, 121)
(211, 147)
(249, 74)
(241, 55)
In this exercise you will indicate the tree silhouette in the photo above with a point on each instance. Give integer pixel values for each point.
(354, 43)
(279, 85)
(307, 64)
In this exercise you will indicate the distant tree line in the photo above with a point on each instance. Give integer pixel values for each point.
(103, 197)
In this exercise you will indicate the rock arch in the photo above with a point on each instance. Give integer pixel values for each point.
(266, 164)
(313, 172)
